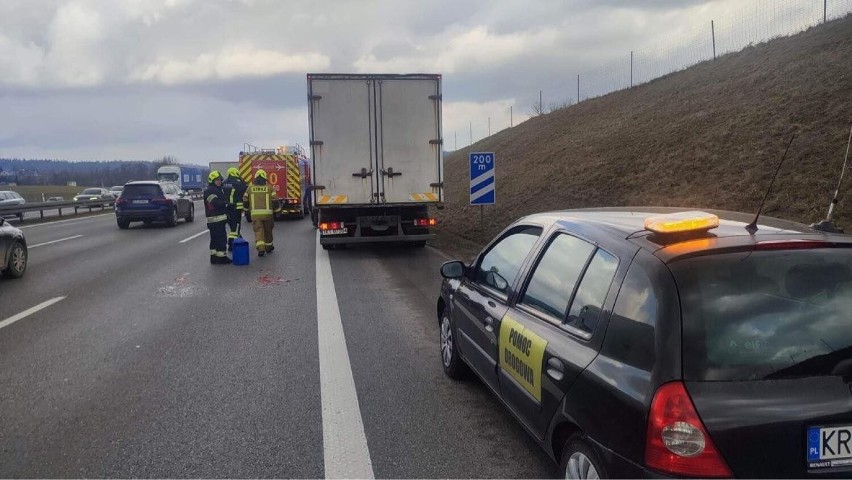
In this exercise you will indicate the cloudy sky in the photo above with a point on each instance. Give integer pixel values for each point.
(140, 79)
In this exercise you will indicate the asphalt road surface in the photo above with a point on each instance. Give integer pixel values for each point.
(124, 353)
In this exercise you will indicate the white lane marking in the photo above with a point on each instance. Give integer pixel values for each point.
(194, 236)
(27, 313)
(76, 220)
(344, 443)
(51, 242)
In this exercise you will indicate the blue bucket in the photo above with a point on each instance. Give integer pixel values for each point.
(241, 252)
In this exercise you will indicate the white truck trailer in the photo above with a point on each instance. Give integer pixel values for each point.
(376, 148)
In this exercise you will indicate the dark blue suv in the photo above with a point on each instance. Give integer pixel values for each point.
(152, 201)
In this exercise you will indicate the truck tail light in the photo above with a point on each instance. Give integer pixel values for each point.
(325, 226)
(677, 442)
(425, 222)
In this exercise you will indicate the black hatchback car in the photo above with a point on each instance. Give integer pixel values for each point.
(152, 201)
(13, 251)
(650, 343)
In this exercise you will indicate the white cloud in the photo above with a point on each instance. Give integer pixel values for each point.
(229, 64)
(466, 50)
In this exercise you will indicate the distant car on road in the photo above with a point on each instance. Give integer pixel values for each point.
(152, 201)
(56, 199)
(13, 251)
(91, 194)
(116, 190)
(9, 198)
(632, 343)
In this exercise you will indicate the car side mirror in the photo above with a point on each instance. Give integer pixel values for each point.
(454, 269)
(2, 221)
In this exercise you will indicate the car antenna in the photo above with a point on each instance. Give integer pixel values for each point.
(752, 227)
(827, 225)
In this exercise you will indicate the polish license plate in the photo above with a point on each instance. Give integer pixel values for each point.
(337, 232)
(140, 201)
(829, 447)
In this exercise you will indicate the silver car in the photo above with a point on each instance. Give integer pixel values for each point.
(11, 199)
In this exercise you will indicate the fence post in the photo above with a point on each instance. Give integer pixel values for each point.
(471, 133)
(511, 120)
(489, 126)
(824, 11)
(540, 104)
(713, 33)
(578, 88)
(631, 68)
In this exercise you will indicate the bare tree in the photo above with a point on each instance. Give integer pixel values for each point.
(537, 109)
(166, 160)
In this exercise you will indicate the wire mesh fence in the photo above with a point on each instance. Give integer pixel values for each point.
(754, 22)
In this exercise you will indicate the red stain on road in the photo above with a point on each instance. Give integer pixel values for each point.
(265, 280)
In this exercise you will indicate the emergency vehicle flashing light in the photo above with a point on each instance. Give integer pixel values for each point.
(682, 222)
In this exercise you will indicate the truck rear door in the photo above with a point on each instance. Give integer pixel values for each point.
(409, 153)
(342, 139)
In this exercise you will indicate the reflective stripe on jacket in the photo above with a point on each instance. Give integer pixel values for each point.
(259, 198)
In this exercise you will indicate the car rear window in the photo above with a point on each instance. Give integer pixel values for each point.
(141, 191)
(766, 314)
(92, 191)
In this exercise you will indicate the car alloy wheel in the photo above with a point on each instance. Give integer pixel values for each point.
(580, 467)
(17, 262)
(446, 341)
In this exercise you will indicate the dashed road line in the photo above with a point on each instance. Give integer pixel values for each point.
(27, 313)
(194, 236)
(29, 247)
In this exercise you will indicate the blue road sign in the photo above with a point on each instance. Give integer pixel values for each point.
(482, 181)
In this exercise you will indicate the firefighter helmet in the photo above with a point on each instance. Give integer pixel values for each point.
(261, 174)
(233, 172)
(214, 175)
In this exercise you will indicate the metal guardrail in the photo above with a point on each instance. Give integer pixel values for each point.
(41, 207)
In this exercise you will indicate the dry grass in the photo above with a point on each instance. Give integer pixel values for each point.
(707, 137)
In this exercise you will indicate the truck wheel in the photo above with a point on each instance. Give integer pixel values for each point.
(315, 218)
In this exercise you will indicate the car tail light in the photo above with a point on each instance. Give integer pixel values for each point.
(161, 201)
(331, 226)
(677, 442)
(425, 222)
(121, 201)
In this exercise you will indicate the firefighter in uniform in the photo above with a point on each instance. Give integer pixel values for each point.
(235, 190)
(215, 204)
(259, 207)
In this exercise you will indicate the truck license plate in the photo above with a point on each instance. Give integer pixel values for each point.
(337, 232)
(829, 447)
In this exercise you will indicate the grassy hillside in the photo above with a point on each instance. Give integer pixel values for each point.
(709, 136)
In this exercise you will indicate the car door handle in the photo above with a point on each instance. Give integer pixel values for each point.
(555, 369)
(492, 304)
(489, 324)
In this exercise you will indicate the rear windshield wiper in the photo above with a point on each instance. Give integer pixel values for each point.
(836, 363)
